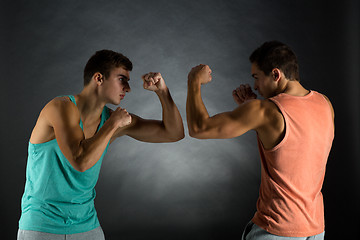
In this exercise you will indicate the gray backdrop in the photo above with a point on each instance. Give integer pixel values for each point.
(191, 189)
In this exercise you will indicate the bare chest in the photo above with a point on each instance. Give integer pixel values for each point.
(90, 129)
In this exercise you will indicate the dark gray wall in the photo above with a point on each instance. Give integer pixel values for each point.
(191, 189)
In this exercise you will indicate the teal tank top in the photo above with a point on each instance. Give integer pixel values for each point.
(57, 198)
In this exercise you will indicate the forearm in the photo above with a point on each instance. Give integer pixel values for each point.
(64, 117)
(171, 117)
(196, 113)
(90, 150)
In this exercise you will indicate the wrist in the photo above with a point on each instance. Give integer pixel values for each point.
(162, 91)
(194, 83)
(112, 124)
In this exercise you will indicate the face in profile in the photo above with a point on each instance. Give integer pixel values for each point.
(116, 85)
(264, 84)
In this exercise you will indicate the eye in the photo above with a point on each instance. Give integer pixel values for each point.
(123, 80)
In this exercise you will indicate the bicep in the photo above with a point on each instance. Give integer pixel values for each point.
(232, 124)
(64, 118)
(146, 130)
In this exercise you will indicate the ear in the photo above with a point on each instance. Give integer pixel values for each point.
(98, 78)
(276, 73)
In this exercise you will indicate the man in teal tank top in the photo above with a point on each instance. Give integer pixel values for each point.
(69, 141)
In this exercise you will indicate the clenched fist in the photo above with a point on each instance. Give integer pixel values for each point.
(201, 73)
(153, 81)
(243, 94)
(121, 117)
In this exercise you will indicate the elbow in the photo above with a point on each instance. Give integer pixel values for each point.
(204, 131)
(192, 133)
(83, 157)
(196, 133)
(79, 165)
(82, 169)
(198, 129)
(79, 161)
(173, 134)
(180, 136)
(177, 137)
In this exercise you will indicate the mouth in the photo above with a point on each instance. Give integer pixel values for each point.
(122, 96)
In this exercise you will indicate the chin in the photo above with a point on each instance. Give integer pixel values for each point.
(117, 102)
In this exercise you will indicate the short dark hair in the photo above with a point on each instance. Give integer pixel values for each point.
(274, 54)
(104, 61)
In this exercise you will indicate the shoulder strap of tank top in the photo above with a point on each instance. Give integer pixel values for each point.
(72, 98)
(104, 115)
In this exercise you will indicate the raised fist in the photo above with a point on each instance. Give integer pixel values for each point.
(200, 73)
(153, 81)
(243, 94)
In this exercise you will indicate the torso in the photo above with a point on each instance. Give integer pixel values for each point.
(292, 171)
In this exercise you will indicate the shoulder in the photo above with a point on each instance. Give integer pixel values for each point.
(326, 98)
(330, 105)
(265, 112)
(321, 96)
(258, 107)
(60, 104)
(61, 100)
(327, 101)
(256, 113)
(60, 108)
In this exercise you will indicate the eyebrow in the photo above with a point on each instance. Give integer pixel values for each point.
(122, 75)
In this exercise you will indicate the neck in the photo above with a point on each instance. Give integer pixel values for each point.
(293, 88)
(89, 104)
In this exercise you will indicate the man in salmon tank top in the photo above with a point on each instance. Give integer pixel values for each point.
(295, 131)
(68, 144)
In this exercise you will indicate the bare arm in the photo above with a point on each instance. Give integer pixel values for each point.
(82, 153)
(170, 129)
(249, 115)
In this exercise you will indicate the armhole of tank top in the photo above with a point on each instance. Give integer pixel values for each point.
(38, 145)
(72, 99)
(283, 140)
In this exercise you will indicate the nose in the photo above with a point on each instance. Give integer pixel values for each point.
(127, 87)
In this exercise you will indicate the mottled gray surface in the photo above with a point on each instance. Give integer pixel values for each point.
(192, 189)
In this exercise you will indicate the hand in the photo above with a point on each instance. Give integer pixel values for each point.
(153, 81)
(121, 117)
(243, 94)
(201, 73)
